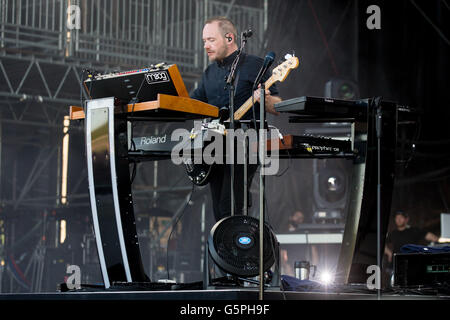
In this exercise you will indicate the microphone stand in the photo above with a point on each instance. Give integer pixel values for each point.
(262, 148)
(379, 130)
(231, 84)
(262, 158)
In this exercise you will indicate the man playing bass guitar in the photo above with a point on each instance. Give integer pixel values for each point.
(220, 43)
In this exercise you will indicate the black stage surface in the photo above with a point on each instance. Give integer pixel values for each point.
(226, 303)
(244, 294)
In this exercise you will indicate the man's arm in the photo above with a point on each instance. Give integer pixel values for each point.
(269, 102)
(200, 92)
(431, 237)
(388, 252)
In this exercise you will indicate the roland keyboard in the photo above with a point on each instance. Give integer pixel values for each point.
(307, 146)
(152, 147)
(323, 108)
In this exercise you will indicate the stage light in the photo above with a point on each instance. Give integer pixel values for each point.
(332, 184)
(62, 231)
(65, 160)
(341, 89)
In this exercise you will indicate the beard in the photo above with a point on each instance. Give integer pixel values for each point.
(219, 54)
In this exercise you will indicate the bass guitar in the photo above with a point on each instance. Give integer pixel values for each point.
(200, 174)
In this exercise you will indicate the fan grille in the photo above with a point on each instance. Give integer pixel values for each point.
(234, 245)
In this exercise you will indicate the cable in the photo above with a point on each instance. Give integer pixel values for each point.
(253, 108)
(19, 272)
(289, 163)
(16, 277)
(288, 166)
(81, 89)
(26, 236)
(416, 136)
(133, 171)
(278, 267)
(330, 55)
(174, 227)
(446, 4)
(441, 34)
(277, 258)
(289, 155)
(135, 100)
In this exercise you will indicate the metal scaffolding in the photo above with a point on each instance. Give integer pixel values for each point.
(44, 47)
(120, 33)
(46, 44)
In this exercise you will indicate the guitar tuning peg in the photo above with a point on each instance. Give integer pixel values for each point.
(289, 55)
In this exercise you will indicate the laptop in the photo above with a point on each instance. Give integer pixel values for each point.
(445, 226)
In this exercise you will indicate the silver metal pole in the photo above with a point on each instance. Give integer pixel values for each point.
(1, 145)
(155, 174)
(203, 237)
(262, 148)
(4, 10)
(245, 176)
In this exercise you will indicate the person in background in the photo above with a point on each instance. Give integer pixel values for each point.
(295, 220)
(405, 234)
(307, 252)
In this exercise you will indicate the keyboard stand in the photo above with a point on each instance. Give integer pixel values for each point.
(106, 125)
(367, 217)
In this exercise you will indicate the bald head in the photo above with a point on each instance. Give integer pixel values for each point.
(226, 26)
(219, 38)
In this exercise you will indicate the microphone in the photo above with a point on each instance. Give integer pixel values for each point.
(268, 60)
(247, 33)
(224, 114)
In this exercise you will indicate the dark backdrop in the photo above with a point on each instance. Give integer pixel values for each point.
(406, 61)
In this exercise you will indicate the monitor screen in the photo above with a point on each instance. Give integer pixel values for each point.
(445, 225)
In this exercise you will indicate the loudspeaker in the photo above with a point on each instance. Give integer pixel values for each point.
(330, 189)
(331, 179)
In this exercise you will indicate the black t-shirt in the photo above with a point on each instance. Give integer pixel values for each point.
(408, 236)
(213, 90)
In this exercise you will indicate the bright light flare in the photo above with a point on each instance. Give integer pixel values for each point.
(326, 277)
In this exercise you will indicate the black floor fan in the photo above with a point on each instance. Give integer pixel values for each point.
(233, 245)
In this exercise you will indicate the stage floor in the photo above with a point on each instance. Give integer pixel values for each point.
(244, 294)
